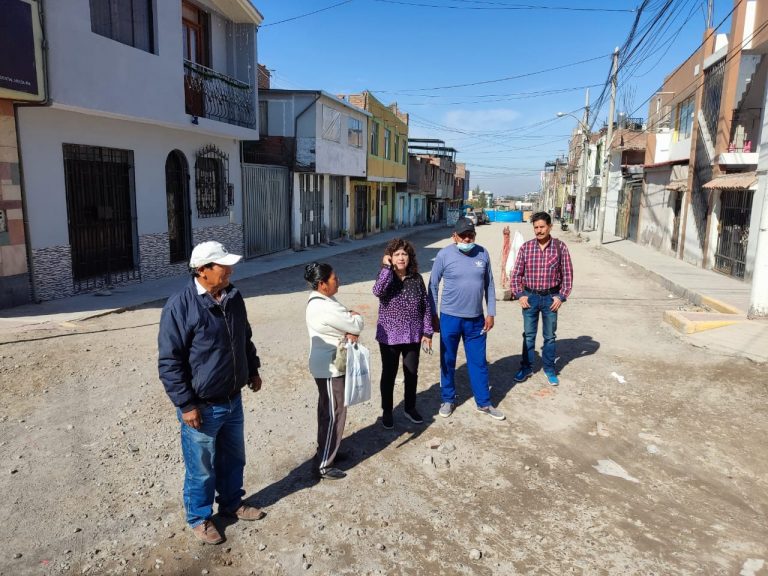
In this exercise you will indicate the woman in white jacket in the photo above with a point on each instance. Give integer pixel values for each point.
(328, 321)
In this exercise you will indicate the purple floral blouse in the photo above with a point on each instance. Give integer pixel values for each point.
(404, 312)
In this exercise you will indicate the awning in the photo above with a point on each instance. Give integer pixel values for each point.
(677, 185)
(738, 181)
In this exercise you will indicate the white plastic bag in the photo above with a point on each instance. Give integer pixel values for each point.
(357, 382)
(517, 242)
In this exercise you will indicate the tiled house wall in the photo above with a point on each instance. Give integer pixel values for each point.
(14, 279)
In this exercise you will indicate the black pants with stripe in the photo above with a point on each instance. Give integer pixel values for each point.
(331, 417)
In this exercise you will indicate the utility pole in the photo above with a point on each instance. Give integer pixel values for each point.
(758, 301)
(578, 209)
(710, 13)
(609, 137)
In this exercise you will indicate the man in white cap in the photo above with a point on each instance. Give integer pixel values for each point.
(206, 357)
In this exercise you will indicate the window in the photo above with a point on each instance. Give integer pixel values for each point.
(404, 156)
(126, 21)
(387, 143)
(374, 138)
(684, 120)
(598, 159)
(194, 25)
(263, 117)
(213, 191)
(397, 148)
(354, 132)
(331, 124)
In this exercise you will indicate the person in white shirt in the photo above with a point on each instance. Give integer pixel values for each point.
(328, 321)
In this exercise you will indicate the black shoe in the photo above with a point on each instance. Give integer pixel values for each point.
(333, 474)
(414, 416)
(387, 421)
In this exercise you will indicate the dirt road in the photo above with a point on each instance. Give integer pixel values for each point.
(650, 458)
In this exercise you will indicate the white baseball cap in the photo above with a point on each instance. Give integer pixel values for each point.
(212, 252)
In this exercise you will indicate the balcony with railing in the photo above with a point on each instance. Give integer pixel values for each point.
(745, 134)
(211, 94)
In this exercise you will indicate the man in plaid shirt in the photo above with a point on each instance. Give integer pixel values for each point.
(541, 280)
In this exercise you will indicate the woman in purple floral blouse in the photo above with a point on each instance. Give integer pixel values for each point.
(404, 325)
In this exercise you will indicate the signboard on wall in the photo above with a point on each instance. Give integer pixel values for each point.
(21, 54)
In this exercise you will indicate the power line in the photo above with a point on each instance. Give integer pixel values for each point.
(307, 14)
(736, 50)
(500, 6)
(508, 97)
(496, 95)
(517, 76)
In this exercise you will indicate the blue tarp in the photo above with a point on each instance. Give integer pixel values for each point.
(505, 215)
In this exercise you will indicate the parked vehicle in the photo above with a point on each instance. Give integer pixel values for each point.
(472, 217)
(482, 217)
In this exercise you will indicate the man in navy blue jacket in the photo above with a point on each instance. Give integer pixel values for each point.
(205, 358)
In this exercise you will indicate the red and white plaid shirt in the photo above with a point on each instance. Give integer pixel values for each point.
(539, 269)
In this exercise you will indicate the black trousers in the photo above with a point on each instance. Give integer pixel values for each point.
(390, 360)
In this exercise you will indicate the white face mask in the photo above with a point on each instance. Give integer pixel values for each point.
(465, 247)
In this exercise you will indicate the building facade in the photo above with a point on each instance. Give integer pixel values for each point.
(701, 196)
(149, 102)
(374, 200)
(431, 180)
(322, 141)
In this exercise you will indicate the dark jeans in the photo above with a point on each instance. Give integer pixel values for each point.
(390, 360)
(539, 307)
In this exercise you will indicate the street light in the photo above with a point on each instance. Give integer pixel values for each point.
(579, 207)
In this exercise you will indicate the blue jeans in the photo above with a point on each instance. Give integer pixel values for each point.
(539, 305)
(453, 329)
(214, 457)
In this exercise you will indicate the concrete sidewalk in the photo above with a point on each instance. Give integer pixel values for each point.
(129, 296)
(724, 328)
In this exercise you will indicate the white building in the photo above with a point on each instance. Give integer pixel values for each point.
(322, 141)
(137, 156)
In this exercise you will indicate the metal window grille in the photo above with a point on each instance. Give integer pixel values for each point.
(214, 193)
(733, 232)
(101, 215)
(702, 174)
(311, 203)
(713, 91)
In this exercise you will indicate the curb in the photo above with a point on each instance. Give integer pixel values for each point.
(720, 306)
(679, 320)
(686, 325)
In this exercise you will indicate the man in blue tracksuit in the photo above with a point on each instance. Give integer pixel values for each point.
(205, 358)
(465, 269)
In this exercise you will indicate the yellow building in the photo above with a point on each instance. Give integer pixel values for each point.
(372, 200)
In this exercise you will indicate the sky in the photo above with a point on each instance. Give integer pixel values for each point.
(486, 76)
